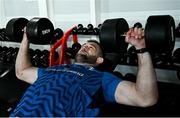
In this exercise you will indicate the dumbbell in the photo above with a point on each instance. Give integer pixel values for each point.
(161, 60)
(96, 29)
(36, 57)
(44, 58)
(39, 30)
(89, 30)
(137, 25)
(178, 30)
(176, 61)
(159, 34)
(176, 56)
(178, 74)
(3, 35)
(8, 56)
(79, 30)
(72, 51)
(40, 58)
(4, 49)
(58, 33)
(14, 54)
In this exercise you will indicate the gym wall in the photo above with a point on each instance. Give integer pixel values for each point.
(67, 13)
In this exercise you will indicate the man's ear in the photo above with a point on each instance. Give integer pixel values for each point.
(99, 60)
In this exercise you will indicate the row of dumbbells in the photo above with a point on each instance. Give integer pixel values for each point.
(4, 36)
(89, 30)
(38, 58)
(80, 30)
(164, 61)
(8, 55)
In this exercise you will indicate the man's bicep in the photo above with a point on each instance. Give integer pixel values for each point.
(126, 93)
(29, 75)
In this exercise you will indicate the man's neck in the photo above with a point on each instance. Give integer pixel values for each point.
(85, 64)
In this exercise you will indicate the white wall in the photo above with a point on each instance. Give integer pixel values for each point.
(67, 13)
(72, 12)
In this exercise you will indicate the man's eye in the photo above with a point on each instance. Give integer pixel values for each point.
(91, 47)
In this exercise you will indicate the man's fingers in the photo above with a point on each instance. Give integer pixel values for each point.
(24, 30)
(134, 33)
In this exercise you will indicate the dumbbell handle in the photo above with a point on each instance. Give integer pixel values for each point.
(123, 35)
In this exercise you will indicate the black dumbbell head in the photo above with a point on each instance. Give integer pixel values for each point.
(90, 26)
(71, 52)
(178, 30)
(160, 34)
(58, 33)
(40, 31)
(80, 26)
(137, 25)
(76, 47)
(176, 56)
(110, 35)
(176, 53)
(14, 29)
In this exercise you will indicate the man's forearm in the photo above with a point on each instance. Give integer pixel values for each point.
(146, 84)
(23, 60)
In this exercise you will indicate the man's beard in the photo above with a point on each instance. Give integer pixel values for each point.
(80, 58)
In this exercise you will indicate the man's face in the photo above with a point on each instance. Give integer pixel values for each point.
(88, 53)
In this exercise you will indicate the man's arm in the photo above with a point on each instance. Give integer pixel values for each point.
(144, 92)
(23, 66)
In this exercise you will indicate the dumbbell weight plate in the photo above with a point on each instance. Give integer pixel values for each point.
(176, 56)
(40, 31)
(178, 74)
(110, 35)
(176, 53)
(160, 34)
(14, 28)
(177, 32)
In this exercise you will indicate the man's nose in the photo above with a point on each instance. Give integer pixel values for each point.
(86, 47)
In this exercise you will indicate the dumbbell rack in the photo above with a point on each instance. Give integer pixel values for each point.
(89, 30)
(167, 69)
